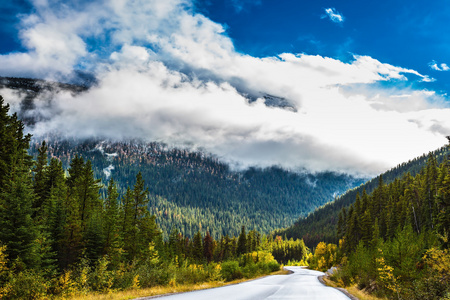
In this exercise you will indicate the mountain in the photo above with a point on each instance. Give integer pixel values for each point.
(321, 224)
(190, 190)
(194, 191)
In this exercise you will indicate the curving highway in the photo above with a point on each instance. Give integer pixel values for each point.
(302, 284)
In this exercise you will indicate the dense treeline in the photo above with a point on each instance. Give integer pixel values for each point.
(321, 225)
(60, 236)
(395, 241)
(192, 191)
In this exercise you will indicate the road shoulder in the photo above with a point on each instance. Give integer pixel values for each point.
(322, 280)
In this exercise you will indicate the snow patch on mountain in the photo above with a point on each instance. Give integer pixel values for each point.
(108, 170)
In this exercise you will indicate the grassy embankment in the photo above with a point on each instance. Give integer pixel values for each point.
(161, 290)
(352, 290)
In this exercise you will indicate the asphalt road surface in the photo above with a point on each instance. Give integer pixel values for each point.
(302, 284)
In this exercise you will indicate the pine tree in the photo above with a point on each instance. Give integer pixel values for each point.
(138, 226)
(50, 215)
(128, 228)
(140, 199)
(41, 189)
(75, 170)
(342, 220)
(94, 238)
(86, 192)
(140, 217)
(197, 248)
(242, 242)
(71, 243)
(443, 202)
(175, 244)
(148, 232)
(17, 230)
(366, 228)
(13, 144)
(208, 247)
(111, 218)
(375, 235)
(55, 210)
(351, 240)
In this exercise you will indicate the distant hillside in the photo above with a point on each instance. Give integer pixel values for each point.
(190, 190)
(193, 191)
(320, 225)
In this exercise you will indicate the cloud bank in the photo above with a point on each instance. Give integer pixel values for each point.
(166, 73)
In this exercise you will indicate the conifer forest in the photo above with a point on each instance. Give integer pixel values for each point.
(392, 242)
(60, 236)
(69, 228)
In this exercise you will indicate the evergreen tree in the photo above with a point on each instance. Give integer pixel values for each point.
(75, 170)
(128, 228)
(208, 247)
(197, 248)
(13, 144)
(375, 235)
(351, 238)
(111, 218)
(443, 201)
(175, 245)
(41, 189)
(17, 230)
(342, 220)
(138, 226)
(242, 242)
(94, 238)
(366, 228)
(86, 192)
(55, 210)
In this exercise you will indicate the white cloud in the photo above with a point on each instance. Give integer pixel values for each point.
(333, 15)
(439, 67)
(168, 74)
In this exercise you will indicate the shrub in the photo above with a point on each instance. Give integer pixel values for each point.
(25, 285)
(273, 266)
(250, 270)
(65, 286)
(101, 279)
(231, 270)
(192, 273)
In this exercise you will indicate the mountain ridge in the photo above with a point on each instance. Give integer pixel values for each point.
(320, 225)
(190, 190)
(194, 191)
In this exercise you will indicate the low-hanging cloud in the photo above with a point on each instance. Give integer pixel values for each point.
(166, 73)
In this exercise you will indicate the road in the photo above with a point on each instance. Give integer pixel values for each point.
(302, 284)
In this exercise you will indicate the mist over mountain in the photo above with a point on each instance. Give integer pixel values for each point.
(191, 189)
(166, 72)
(157, 131)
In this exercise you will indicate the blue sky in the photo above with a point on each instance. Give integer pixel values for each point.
(347, 86)
(410, 34)
(413, 35)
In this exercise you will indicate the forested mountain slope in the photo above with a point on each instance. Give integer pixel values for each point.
(60, 238)
(321, 224)
(189, 190)
(192, 191)
(393, 242)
